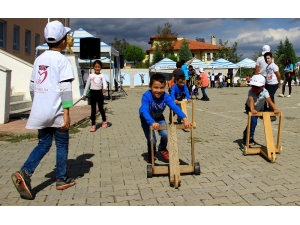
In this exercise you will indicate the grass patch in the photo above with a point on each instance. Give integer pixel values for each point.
(13, 138)
(196, 139)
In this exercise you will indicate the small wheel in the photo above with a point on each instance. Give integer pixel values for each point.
(197, 168)
(273, 158)
(149, 171)
(245, 150)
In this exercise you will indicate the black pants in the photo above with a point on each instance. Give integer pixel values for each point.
(287, 79)
(272, 88)
(97, 98)
(212, 84)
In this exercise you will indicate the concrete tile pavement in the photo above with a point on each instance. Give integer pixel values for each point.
(110, 168)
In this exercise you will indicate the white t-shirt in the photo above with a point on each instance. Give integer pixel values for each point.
(259, 100)
(262, 65)
(95, 82)
(212, 77)
(221, 78)
(49, 69)
(271, 77)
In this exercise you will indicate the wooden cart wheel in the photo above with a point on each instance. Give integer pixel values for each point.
(197, 168)
(149, 171)
(245, 150)
(176, 182)
(273, 158)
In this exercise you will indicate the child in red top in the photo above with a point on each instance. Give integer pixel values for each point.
(203, 84)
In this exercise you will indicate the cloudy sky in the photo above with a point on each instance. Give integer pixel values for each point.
(250, 34)
(136, 22)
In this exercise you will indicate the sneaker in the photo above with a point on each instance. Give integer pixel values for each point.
(251, 141)
(288, 96)
(22, 184)
(206, 99)
(64, 184)
(93, 128)
(104, 124)
(281, 95)
(149, 160)
(165, 154)
(273, 118)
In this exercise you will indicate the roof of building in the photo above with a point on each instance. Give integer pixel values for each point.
(193, 45)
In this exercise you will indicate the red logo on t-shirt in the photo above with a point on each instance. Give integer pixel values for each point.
(43, 74)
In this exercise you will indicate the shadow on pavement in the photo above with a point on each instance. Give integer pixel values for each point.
(76, 168)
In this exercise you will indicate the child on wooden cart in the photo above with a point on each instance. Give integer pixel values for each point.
(179, 92)
(257, 96)
(154, 102)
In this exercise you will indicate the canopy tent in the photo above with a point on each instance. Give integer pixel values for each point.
(298, 63)
(164, 64)
(223, 64)
(106, 50)
(197, 63)
(246, 63)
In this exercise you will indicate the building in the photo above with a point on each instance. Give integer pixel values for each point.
(20, 36)
(203, 51)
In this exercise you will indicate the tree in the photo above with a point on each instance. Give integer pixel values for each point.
(120, 45)
(134, 53)
(228, 53)
(283, 51)
(172, 57)
(165, 36)
(157, 54)
(184, 51)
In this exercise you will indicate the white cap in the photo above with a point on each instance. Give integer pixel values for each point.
(258, 80)
(55, 30)
(265, 49)
(201, 70)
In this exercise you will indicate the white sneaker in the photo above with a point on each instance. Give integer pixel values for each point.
(288, 96)
(281, 95)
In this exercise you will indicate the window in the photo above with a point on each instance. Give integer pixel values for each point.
(214, 55)
(28, 41)
(16, 41)
(37, 40)
(3, 33)
(208, 57)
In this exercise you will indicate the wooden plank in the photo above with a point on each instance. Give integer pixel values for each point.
(183, 107)
(279, 132)
(173, 153)
(161, 170)
(268, 134)
(253, 150)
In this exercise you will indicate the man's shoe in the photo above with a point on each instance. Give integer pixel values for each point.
(273, 118)
(202, 98)
(206, 99)
(288, 96)
(64, 184)
(281, 95)
(22, 184)
(165, 154)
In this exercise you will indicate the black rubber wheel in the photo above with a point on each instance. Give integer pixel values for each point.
(149, 171)
(197, 168)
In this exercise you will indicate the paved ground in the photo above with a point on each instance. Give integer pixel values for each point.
(110, 167)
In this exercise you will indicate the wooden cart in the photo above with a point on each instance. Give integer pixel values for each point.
(270, 150)
(173, 168)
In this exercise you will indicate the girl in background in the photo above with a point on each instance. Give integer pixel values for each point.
(288, 77)
(96, 82)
